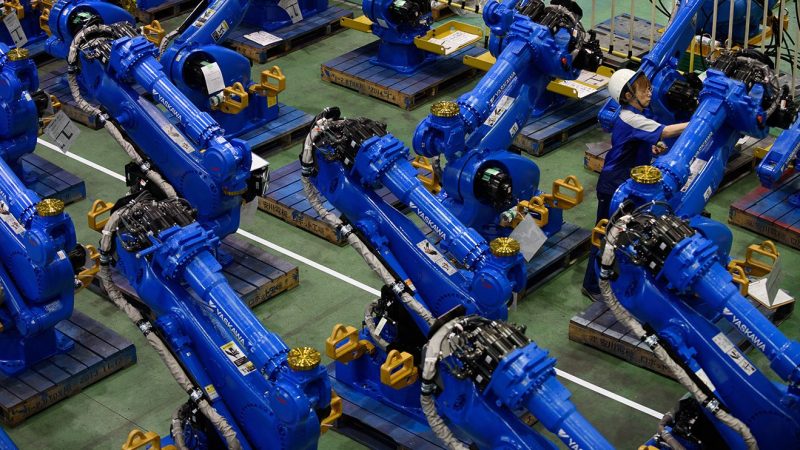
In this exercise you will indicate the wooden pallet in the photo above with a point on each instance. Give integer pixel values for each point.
(377, 426)
(641, 39)
(285, 200)
(164, 11)
(290, 127)
(52, 80)
(98, 353)
(354, 70)
(560, 125)
(293, 37)
(560, 251)
(597, 327)
(50, 181)
(739, 164)
(769, 213)
(254, 274)
(441, 11)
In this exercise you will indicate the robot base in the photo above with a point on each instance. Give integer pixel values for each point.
(769, 212)
(291, 38)
(354, 70)
(285, 200)
(597, 327)
(254, 274)
(739, 165)
(51, 181)
(98, 352)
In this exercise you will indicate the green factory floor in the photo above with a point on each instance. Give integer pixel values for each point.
(145, 396)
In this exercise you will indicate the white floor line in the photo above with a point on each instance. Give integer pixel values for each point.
(327, 270)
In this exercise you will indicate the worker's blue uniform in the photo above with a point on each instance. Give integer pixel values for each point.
(633, 136)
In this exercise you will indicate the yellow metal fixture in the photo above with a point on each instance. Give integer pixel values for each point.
(432, 183)
(759, 259)
(646, 174)
(303, 358)
(99, 207)
(483, 62)
(50, 207)
(14, 6)
(360, 23)
(599, 232)
(142, 439)
(344, 346)
(273, 82)
(398, 371)
(44, 18)
(86, 275)
(18, 54)
(433, 40)
(336, 412)
(234, 99)
(504, 246)
(154, 32)
(739, 277)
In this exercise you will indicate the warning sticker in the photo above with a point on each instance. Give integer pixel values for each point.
(499, 110)
(204, 18)
(694, 169)
(15, 30)
(211, 392)
(237, 358)
(292, 9)
(437, 258)
(220, 31)
(727, 346)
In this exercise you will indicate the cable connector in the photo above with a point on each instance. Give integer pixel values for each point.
(651, 341)
(195, 395)
(145, 327)
(427, 387)
(346, 230)
(398, 288)
(712, 405)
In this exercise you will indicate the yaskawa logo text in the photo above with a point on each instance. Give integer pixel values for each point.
(427, 221)
(745, 330)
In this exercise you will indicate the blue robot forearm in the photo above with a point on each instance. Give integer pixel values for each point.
(782, 154)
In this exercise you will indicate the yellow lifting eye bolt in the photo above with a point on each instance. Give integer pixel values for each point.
(272, 83)
(344, 346)
(739, 277)
(599, 232)
(336, 412)
(86, 275)
(234, 99)
(14, 6)
(759, 259)
(99, 207)
(568, 184)
(154, 32)
(44, 18)
(140, 439)
(398, 371)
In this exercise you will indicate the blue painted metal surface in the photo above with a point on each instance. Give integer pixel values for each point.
(780, 156)
(29, 20)
(529, 55)
(397, 31)
(465, 279)
(268, 15)
(36, 275)
(236, 364)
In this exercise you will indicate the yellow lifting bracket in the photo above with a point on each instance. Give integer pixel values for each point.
(434, 40)
(14, 6)
(56, 105)
(539, 205)
(99, 207)
(759, 259)
(344, 346)
(234, 99)
(432, 182)
(273, 82)
(154, 32)
(140, 439)
(336, 412)
(360, 23)
(599, 232)
(86, 275)
(482, 62)
(398, 371)
(740, 278)
(44, 17)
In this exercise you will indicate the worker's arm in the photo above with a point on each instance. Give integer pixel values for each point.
(671, 131)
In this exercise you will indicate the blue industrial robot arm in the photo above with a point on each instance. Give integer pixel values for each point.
(109, 61)
(780, 156)
(473, 366)
(660, 270)
(674, 95)
(740, 95)
(39, 254)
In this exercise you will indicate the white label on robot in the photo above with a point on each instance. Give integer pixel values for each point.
(63, 131)
(727, 346)
(213, 76)
(15, 30)
(211, 392)
(263, 38)
(530, 237)
(292, 9)
(382, 23)
(454, 41)
(694, 169)
(220, 31)
(381, 324)
(437, 258)
(707, 193)
(701, 374)
(514, 129)
(10, 220)
(204, 18)
(237, 358)
(502, 106)
(168, 128)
